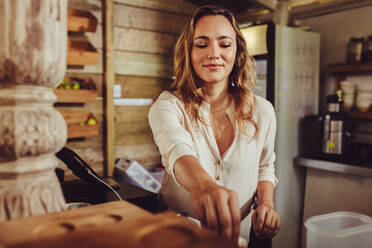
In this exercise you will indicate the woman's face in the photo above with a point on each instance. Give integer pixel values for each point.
(214, 49)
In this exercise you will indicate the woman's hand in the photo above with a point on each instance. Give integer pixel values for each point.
(265, 221)
(217, 208)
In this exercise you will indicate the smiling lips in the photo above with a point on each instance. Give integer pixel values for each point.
(213, 66)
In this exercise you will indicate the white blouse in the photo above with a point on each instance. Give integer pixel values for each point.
(243, 164)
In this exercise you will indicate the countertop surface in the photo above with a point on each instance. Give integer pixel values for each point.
(93, 193)
(112, 225)
(334, 167)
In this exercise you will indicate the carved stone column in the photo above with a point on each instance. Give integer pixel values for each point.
(33, 43)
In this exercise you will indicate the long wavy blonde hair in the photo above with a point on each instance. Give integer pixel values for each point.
(242, 76)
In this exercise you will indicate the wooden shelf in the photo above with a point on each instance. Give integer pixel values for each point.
(75, 117)
(350, 68)
(360, 115)
(81, 21)
(77, 131)
(81, 53)
(75, 96)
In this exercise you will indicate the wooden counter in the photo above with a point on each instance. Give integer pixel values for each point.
(115, 224)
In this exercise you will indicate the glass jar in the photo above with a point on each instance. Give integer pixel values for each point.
(355, 47)
(367, 49)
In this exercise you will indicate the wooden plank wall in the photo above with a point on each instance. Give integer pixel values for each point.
(90, 149)
(145, 32)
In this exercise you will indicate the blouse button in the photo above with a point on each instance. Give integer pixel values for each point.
(217, 171)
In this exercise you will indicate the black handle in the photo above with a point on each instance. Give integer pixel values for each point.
(76, 164)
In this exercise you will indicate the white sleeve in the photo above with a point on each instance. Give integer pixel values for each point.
(165, 119)
(266, 170)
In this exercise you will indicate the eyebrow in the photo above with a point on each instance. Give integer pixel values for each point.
(207, 38)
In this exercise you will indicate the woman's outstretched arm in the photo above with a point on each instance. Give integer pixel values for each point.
(216, 207)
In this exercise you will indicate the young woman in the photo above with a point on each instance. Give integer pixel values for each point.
(215, 136)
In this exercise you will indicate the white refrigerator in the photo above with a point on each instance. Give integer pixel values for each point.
(287, 65)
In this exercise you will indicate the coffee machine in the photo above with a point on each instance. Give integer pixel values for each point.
(335, 135)
(326, 136)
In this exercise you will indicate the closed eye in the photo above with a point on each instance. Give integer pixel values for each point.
(201, 45)
(225, 45)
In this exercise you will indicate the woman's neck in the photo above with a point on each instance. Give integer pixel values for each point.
(216, 95)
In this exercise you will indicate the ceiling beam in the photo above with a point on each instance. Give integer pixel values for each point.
(281, 13)
(299, 10)
(253, 16)
(329, 7)
(269, 4)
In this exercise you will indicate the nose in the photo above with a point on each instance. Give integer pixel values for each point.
(214, 51)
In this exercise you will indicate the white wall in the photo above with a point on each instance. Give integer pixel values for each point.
(335, 31)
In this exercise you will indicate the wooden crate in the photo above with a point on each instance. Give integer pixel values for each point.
(81, 53)
(74, 127)
(77, 131)
(75, 117)
(75, 96)
(81, 21)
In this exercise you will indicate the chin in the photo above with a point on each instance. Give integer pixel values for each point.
(213, 76)
(213, 80)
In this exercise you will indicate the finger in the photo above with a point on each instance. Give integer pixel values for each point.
(254, 221)
(271, 229)
(224, 219)
(254, 218)
(199, 210)
(210, 213)
(277, 226)
(266, 227)
(235, 216)
(260, 218)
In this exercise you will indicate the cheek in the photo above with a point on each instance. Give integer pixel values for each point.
(230, 56)
(195, 61)
(195, 58)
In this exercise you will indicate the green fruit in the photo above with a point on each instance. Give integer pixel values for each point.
(76, 86)
(92, 121)
(67, 87)
(64, 82)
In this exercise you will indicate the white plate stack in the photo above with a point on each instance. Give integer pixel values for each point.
(364, 97)
(348, 89)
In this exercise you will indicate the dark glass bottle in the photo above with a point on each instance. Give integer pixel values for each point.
(355, 48)
(367, 49)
